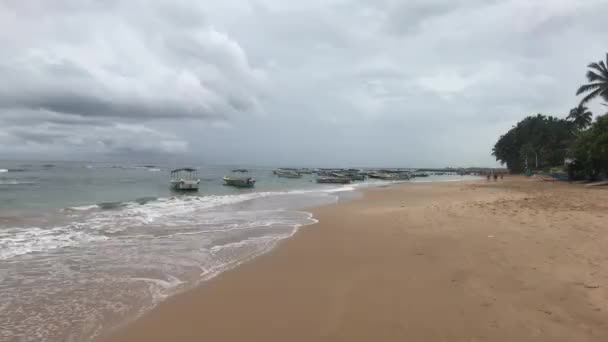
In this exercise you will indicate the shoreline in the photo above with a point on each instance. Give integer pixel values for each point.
(473, 270)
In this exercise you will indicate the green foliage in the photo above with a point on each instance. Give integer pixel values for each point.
(590, 150)
(536, 138)
(545, 141)
(580, 117)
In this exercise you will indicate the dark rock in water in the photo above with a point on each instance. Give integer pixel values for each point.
(111, 205)
(17, 170)
(145, 200)
(48, 166)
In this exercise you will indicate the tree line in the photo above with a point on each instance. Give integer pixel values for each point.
(577, 143)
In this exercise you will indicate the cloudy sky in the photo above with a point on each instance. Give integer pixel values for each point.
(277, 82)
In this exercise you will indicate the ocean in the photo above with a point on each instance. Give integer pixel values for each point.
(86, 247)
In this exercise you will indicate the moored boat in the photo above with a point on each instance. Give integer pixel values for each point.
(333, 180)
(420, 175)
(388, 175)
(382, 176)
(288, 173)
(354, 175)
(184, 179)
(239, 182)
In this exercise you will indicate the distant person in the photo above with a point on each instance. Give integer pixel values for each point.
(502, 175)
(488, 176)
(495, 177)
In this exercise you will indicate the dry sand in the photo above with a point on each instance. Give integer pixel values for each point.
(517, 260)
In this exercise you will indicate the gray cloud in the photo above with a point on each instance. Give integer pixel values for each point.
(321, 82)
(114, 66)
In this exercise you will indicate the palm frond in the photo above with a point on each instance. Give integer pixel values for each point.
(592, 95)
(600, 67)
(601, 63)
(593, 77)
(595, 66)
(605, 92)
(587, 87)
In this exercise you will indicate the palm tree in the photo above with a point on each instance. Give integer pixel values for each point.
(580, 117)
(598, 78)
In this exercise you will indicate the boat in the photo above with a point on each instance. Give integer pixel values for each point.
(185, 179)
(403, 175)
(240, 170)
(382, 176)
(288, 173)
(239, 182)
(392, 176)
(420, 175)
(284, 169)
(354, 175)
(560, 176)
(333, 180)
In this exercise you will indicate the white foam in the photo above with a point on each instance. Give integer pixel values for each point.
(154, 170)
(15, 182)
(130, 273)
(3, 170)
(96, 225)
(250, 241)
(159, 288)
(19, 241)
(83, 208)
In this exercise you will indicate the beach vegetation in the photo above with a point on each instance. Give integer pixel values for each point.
(576, 143)
(538, 142)
(590, 150)
(580, 117)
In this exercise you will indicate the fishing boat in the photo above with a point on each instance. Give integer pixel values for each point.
(185, 179)
(239, 182)
(333, 180)
(391, 176)
(420, 175)
(284, 169)
(403, 175)
(288, 173)
(240, 170)
(382, 175)
(353, 174)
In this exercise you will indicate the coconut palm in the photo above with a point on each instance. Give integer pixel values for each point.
(580, 117)
(598, 78)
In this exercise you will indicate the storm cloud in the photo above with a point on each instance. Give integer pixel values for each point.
(349, 82)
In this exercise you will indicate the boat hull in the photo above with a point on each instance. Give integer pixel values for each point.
(239, 182)
(333, 180)
(186, 186)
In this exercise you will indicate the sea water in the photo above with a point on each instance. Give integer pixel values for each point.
(88, 246)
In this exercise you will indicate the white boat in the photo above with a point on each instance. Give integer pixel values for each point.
(239, 182)
(185, 179)
(288, 173)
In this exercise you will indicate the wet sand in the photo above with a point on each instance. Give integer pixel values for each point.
(516, 260)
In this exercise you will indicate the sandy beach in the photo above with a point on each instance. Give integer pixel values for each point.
(515, 260)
